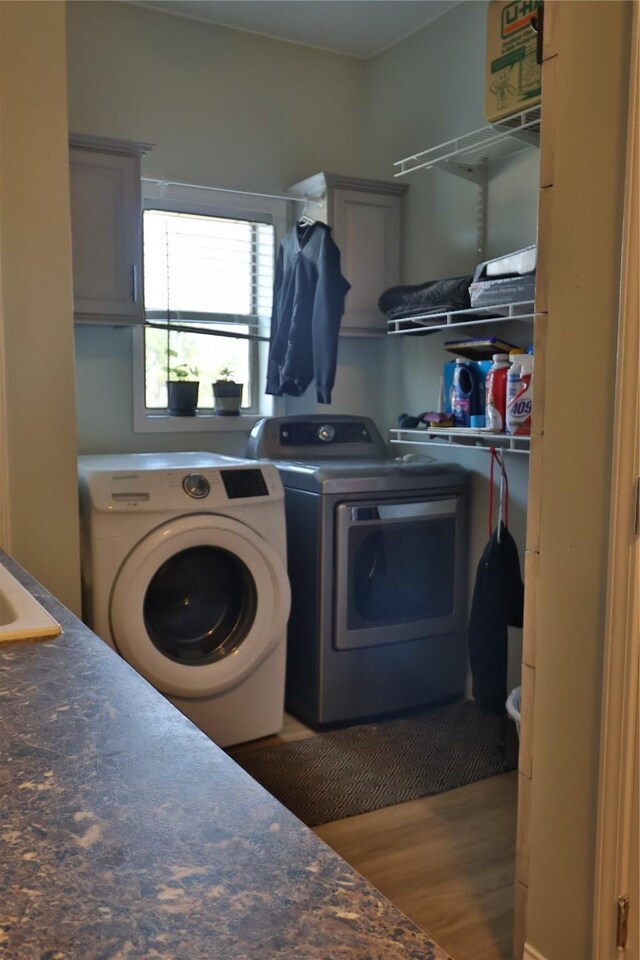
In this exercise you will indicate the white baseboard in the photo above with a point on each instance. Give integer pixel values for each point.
(530, 953)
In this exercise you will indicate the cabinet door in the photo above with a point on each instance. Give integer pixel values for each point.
(106, 236)
(366, 228)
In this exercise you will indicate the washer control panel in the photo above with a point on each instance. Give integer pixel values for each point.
(244, 483)
(138, 483)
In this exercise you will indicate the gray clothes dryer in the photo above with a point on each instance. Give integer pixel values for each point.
(377, 559)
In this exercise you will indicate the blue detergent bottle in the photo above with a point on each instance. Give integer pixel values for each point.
(464, 392)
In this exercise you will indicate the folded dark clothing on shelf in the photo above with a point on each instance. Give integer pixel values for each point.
(434, 296)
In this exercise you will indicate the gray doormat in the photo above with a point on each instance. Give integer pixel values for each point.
(373, 765)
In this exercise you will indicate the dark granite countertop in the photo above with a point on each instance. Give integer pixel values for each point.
(127, 834)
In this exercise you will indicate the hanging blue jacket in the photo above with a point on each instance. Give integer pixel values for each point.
(308, 303)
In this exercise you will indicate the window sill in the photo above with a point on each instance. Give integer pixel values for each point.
(201, 423)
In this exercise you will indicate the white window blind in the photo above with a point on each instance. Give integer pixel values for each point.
(208, 292)
(207, 270)
(209, 264)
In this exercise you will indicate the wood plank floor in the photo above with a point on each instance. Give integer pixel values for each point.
(446, 861)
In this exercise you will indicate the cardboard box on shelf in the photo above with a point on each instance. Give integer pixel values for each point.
(512, 74)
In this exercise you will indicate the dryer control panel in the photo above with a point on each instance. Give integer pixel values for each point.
(318, 435)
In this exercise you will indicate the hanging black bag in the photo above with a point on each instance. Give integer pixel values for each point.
(498, 602)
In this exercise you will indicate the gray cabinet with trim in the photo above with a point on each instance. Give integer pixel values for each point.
(365, 221)
(106, 228)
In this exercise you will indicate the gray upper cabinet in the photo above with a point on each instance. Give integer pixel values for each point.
(106, 227)
(365, 221)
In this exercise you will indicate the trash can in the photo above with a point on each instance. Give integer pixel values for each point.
(513, 705)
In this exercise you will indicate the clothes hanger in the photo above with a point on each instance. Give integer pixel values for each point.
(305, 220)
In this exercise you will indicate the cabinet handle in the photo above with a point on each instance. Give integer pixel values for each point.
(134, 283)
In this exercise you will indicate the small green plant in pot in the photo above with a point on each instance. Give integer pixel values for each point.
(182, 389)
(227, 394)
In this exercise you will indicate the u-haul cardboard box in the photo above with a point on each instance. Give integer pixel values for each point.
(512, 76)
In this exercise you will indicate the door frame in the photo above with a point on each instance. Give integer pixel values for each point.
(5, 524)
(618, 780)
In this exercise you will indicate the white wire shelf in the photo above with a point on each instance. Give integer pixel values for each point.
(461, 437)
(500, 313)
(464, 155)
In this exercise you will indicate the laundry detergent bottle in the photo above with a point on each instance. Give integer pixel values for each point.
(496, 393)
(464, 392)
(520, 396)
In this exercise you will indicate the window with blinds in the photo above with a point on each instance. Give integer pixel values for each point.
(208, 285)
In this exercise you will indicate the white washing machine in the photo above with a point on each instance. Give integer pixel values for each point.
(184, 574)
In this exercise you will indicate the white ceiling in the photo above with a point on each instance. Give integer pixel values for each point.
(360, 28)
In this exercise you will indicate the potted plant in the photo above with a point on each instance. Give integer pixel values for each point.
(227, 394)
(182, 389)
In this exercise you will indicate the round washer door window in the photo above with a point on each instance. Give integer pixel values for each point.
(198, 604)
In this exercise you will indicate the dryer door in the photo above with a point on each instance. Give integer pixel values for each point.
(198, 604)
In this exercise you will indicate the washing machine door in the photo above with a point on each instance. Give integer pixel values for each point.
(198, 604)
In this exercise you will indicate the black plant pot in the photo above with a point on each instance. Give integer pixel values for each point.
(228, 398)
(182, 397)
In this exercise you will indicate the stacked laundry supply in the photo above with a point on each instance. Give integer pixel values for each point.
(507, 279)
(501, 281)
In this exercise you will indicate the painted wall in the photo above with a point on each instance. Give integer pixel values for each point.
(173, 86)
(35, 265)
(222, 107)
(225, 109)
(423, 92)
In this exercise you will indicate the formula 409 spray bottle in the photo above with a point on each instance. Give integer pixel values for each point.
(520, 395)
